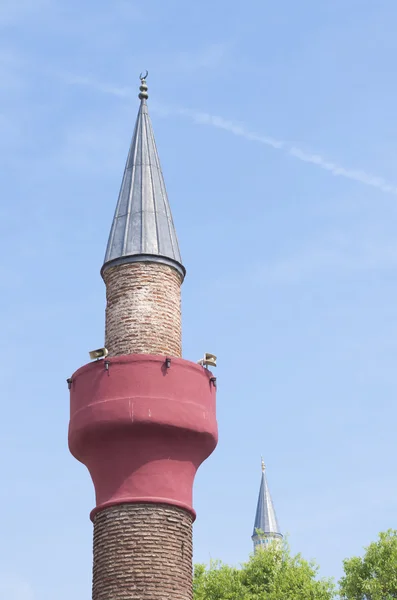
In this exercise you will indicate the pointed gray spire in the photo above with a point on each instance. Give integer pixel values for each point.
(142, 228)
(265, 518)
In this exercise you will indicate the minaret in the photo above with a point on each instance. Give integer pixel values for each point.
(142, 419)
(266, 527)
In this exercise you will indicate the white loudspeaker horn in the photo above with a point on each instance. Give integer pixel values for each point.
(99, 353)
(209, 360)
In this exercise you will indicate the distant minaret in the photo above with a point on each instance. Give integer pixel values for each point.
(143, 419)
(265, 519)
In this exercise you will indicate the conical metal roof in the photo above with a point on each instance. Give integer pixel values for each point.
(142, 228)
(265, 518)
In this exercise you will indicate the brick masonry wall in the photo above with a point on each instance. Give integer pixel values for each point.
(143, 310)
(142, 552)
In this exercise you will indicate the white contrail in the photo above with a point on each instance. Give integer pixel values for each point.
(240, 130)
(104, 88)
(338, 170)
(235, 128)
(315, 159)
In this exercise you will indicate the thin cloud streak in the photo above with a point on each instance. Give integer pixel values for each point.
(314, 159)
(235, 128)
(240, 130)
(71, 79)
(339, 171)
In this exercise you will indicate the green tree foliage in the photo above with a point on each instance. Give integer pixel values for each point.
(270, 574)
(374, 576)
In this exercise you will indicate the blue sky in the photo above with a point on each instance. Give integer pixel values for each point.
(276, 127)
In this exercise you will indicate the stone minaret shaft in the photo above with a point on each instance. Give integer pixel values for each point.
(143, 309)
(142, 420)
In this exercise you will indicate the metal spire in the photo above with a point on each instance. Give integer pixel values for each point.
(142, 228)
(265, 517)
